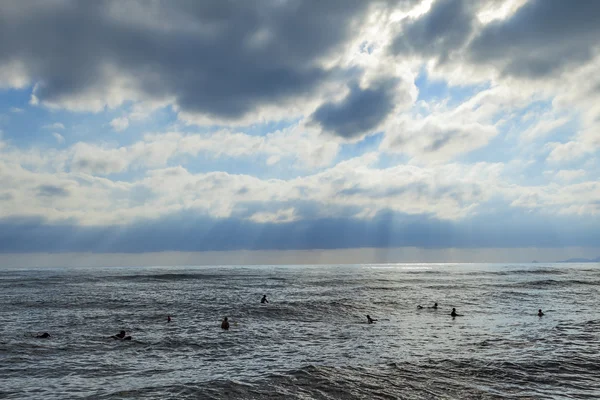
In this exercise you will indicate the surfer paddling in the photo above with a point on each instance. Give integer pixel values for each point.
(455, 314)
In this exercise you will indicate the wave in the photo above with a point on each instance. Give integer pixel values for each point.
(430, 379)
(547, 283)
(537, 271)
(170, 277)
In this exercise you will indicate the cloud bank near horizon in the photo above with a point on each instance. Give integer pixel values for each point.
(128, 126)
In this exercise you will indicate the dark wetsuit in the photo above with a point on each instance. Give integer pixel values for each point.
(121, 336)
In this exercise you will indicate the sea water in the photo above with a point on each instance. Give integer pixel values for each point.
(311, 341)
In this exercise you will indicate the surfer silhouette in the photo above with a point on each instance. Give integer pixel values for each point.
(434, 306)
(454, 313)
(121, 336)
(370, 320)
(540, 313)
(264, 299)
(44, 335)
(225, 324)
(168, 318)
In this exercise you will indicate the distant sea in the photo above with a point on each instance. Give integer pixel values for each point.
(311, 341)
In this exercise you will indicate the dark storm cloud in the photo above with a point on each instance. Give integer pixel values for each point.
(542, 37)
(219, 57)
(189, 232)
(446, 27)
(360, 112)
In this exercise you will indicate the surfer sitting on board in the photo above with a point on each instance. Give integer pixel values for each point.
(121, 336)
(370, 320)
(264, 299)
(225, 324)
(540, 313)
(454, 313)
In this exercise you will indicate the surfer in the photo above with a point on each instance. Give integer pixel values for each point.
(225, 324)
(454, 313)
(168, 318)
(44, 335)
(370, 320)
(264, 299)
(540, 313)
(121, 336)
(434, 306)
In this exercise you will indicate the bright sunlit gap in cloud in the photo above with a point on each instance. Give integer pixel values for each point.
(299, 126)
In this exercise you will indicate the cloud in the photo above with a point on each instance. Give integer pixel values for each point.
(578, 199)
(119, 124)
(360, 112)
(544, 125)
(56, 125)
(448, 192)
(51, 191)
(444, 28)
(220, 60)
(96, 160)
(16, 110)
(434, 138)
(59, 138)
(566, 152)
(570, 174)
(528, 43)
(296, 143)
(281, 216)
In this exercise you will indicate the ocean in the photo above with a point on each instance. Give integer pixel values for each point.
(311, 341)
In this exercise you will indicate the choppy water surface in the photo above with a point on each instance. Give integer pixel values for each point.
(311, 341)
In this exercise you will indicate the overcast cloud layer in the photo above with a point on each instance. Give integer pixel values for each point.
(138, 126)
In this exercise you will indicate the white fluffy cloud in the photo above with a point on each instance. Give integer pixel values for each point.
(55, 125)
(436, 138)
(566, 152)
(120, 124)
(59, 138)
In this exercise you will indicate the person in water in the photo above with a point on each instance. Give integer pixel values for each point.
(540, 313)
(370, 320)
(168, 318)
(44, 335)
(434, 306)
(225, 324)
(454, 313)
(121, 336)
(264, 299)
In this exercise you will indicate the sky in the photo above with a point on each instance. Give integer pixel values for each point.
(452, 129)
